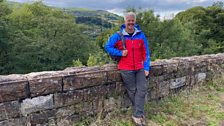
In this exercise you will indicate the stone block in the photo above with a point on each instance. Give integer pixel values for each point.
(170, 67)
(42, 117)
(36, 104)
(9, 110)
(44, 86)
(67, 111)
(84, 80)
(114, 76)
(68, 98)
(12, 87)
(178, 82)
(120, 89)
(200, 78)
(163, 89)
(69, 120)
(110, 104)
(156, 70)
(22, 121)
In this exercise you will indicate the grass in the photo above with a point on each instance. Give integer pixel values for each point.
(201, 106)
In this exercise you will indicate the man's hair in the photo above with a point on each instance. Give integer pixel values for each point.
(129, 14)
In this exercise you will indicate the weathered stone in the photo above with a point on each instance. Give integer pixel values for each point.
(189, 80)
(52, 122)
(200, 65)
(77, 70)
(67, 111)
(22, 121)
(178, 82)
(170, 67)
(86, 108)
(163, 88)
(44, 86)
(36, 104)
(88, 94)
(45, 74)
(41, 117)
(153, 94)
(114, 76)
(100, 91)
(12, 87)
(184, 68)
(120, 89)
(200, 78)
(68, 98)
(153, 81)
(9, 110)
(12, 78)
(91, 90)
(69, 120)
(109, 67)
(84, 80)
(156, 70)
(97, 106)
(45, 124)
(110, 104)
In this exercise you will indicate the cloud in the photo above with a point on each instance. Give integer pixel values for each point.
(116, 6)
(117, 11)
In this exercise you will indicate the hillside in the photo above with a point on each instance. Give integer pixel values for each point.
(105, 16)
(95, 21)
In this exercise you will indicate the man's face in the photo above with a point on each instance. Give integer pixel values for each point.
(130, 22)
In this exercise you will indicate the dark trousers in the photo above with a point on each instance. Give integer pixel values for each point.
(136, 86)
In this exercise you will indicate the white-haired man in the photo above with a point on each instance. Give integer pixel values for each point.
(134, 63)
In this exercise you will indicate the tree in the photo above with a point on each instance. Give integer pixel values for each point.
(207, 26)
(4, 38)
(219, 4)
(43, 38)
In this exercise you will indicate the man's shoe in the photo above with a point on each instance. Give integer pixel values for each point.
(143, 121)
(139, 121)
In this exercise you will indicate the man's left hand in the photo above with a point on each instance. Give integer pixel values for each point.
(146, 73)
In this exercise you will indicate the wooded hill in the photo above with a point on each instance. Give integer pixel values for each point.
(35, 37)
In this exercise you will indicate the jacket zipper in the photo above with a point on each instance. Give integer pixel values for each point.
(133, 54)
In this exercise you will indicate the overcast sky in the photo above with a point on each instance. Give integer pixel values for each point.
(162, 7)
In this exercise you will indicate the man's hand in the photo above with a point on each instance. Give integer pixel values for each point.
(124, 52)
(146, 73)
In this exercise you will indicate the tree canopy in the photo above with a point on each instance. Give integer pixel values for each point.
(35, 37)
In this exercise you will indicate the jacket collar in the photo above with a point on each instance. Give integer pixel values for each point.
(137, 29)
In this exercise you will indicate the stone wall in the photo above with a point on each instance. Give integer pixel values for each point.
(61, 98)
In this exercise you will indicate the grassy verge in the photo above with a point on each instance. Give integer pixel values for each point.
(202, 106)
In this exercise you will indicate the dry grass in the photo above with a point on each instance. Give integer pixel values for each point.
(202, 106)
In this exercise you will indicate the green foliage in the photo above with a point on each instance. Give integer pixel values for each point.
(102, 39)
(219, 4)
(42, 38)
(92, 61)
(206, 27)
(195, 31)
(77, 63)
(168, 38)
(100, 59)
(35, 37)
(4, 38)
(94, 20)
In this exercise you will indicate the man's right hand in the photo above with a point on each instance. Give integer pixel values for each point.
(124, 52)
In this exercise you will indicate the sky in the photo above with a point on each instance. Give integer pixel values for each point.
(165, 8)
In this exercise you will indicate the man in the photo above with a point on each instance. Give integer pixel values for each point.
(134, 63)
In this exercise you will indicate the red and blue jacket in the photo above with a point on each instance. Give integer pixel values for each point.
(138, 53)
